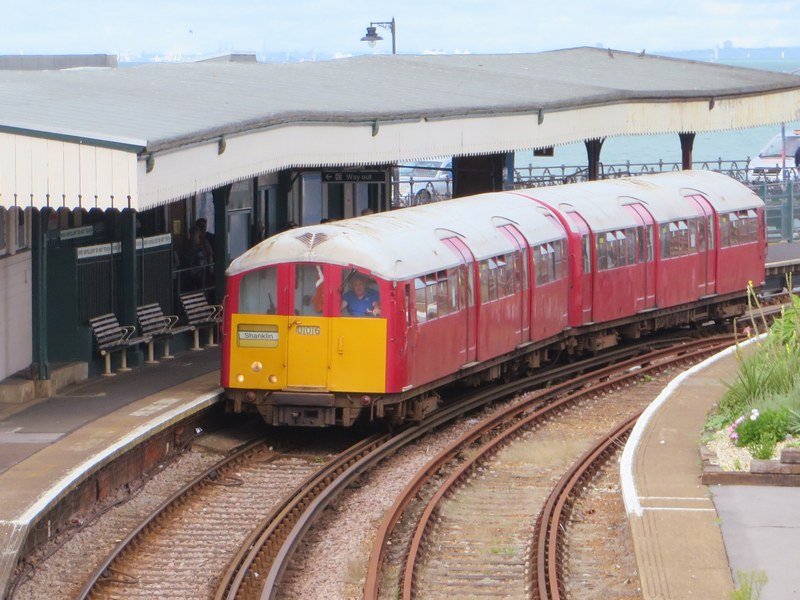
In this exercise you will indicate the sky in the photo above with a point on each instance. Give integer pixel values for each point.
(174, 28)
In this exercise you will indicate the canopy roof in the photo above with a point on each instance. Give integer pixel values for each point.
(141, 136)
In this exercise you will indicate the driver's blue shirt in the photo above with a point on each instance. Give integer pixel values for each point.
(359, 307)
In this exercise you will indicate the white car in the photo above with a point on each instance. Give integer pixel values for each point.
(426, 181)
(768, 165)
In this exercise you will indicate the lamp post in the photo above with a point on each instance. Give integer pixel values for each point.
(372, 33)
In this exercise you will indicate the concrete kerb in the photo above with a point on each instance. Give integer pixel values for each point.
(629, 493)
(14, 531)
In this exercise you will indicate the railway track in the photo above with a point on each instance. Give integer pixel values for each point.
(430, 543)
(265, 551)
(182, 546)
(260, 564)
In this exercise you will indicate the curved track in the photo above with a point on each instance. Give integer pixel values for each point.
(484, 441)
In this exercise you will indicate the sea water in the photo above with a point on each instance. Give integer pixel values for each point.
(739, 145)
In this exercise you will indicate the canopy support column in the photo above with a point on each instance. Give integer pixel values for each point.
(593, 148)
(221, 262)
(687, 143)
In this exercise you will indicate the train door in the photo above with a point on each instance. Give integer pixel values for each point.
(705, 244)
(521, 271)
(586, 261)
(645, 248)
(307, 334)
(466, 284)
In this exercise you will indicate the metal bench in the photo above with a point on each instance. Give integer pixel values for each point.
(154, 323)
(200, 313)
(111, 337)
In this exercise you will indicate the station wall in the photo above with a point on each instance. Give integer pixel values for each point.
(16, 293)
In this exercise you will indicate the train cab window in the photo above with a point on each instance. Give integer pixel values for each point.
(360, 295)
(308, 290)
(258, 292)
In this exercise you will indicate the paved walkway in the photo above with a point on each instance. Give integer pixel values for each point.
(50, 447)
(689, 538)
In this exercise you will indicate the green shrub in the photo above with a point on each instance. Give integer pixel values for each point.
(761, 434)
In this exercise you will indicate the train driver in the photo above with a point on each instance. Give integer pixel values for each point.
(361, 300)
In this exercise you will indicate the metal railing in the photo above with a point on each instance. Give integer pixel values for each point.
(533, 176)
(783, 218)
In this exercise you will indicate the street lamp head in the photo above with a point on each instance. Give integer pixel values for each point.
(372, 36)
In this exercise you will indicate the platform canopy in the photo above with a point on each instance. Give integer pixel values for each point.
(142, 136)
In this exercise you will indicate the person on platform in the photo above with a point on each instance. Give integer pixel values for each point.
(361, 300)
(797, 160)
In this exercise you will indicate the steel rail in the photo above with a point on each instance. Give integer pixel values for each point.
(393, 515)
(257, 552)
(547, 545)
(239, 589)
(159, 512)
(633, 367)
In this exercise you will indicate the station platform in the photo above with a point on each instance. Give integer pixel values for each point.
(693, 540)
(49, 446)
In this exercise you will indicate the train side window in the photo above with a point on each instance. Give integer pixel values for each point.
(710, 230)
(258, 292)
(409, 305)
(431, 296)
(420, 301)
(602, 255)
(586, 252)
(734, 228)
(692, 235)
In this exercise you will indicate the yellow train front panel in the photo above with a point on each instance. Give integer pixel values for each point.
(273, 352)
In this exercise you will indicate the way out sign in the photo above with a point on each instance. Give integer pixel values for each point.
(354, 176)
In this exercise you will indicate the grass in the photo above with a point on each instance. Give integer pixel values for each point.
(750, 585)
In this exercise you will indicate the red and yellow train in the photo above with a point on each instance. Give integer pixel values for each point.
(371, 316)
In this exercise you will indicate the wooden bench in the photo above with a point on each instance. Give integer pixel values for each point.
(199, 313)
(154, 323)
(111, 336)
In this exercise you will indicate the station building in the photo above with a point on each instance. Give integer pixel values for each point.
(105, 171)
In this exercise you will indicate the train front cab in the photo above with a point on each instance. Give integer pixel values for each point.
(292, 349)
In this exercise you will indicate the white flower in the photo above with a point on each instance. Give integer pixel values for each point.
(753, 417)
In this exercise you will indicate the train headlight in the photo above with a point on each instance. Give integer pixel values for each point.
(256, 366)
(273, 379)
(240, 378)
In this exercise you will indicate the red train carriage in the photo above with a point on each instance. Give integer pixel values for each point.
(369, 316)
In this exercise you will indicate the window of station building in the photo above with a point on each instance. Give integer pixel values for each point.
(437, 295)
(258, 292)
(499, 276)
(617, 249)
(23, 220)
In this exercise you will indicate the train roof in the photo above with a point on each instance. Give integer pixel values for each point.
(405, 243)
(661, 193)
(402, 244)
